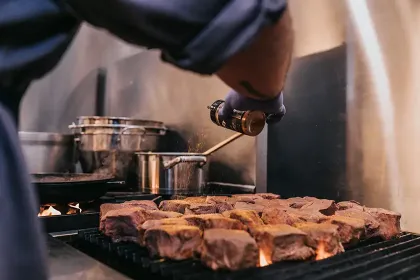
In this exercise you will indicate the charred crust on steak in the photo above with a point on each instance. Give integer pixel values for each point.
(177, 242)
(229, 249)
(268, 196)
(371, 224)
(344, 205)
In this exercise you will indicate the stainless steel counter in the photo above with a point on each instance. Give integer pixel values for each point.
(66, 262)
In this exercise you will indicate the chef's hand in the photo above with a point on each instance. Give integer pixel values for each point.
(273, 108)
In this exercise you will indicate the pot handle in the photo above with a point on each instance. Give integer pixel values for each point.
(198, 159)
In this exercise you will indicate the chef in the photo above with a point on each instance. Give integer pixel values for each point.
(246, 43)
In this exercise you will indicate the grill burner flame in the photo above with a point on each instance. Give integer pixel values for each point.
(74, 208)
(321, 253)
(50, 211)
(263, 259)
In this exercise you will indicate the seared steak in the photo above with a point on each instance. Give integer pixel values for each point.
(200, 208)
(305, 215)
(210, 221)
(177, 242)
(245, 198)
(297, 202)
(249, 206)
(154, 223)
(216, 199)
(158, 214)
(145, 204)
(389, 222)
(223, 206)
(174, 205)
(123, 224)
(273, 203)
(268, 195)
(349, 229)
(196, 199)
(248, 218)
(371, 224)
(327, 234)
(283, 243)
(276, 216)
(344, 205)
(229, 249)
(324, 206)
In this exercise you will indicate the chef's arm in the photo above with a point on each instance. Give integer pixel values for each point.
(259, 71)
(246, 43)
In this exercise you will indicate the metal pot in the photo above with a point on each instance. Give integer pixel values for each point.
(48, 152)
(89, 120)
(109, 149)
(171, 173)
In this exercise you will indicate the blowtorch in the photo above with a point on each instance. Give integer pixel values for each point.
(247, 122)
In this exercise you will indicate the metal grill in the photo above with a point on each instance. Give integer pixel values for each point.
(394, 259)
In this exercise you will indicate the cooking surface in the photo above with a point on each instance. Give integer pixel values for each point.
(394, 259)
(66, 262)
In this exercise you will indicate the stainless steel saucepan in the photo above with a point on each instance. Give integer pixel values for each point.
(175, 173)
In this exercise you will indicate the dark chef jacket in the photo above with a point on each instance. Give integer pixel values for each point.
(196, 35)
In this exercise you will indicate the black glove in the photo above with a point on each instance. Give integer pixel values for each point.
(273, 108)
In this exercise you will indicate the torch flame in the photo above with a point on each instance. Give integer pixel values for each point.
(49, 212)
(321, 253)
(263, 259)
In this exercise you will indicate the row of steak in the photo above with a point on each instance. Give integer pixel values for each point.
(233, 232)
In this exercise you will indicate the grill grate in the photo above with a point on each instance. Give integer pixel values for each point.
(395, 259)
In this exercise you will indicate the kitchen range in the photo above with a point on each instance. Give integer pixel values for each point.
(171, 222)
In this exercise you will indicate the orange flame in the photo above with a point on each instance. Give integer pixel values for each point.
(321, 253)
(263, 259)
(74, 208)
(49, 212)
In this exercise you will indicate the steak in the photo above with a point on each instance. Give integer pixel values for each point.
(223, 206)
(211, 221)
(389, 222)
(145, 204)
(174, 205)
(177, 242)
(216, 199)
(229, 249)
(304, 215)
(123, 224)
(248, 218)
(324, 206)
(325, 234)
(297, 202)
(200, 208)
(249, 206)
(268, 195)
(277, 203)
(283, 243)
(371, 224)
(154, 223)
(196, 199)
(245, 198)
(344, 205)
(158, 214)
(349, 229)
(276, 216)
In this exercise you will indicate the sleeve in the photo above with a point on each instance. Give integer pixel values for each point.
(195, 35)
